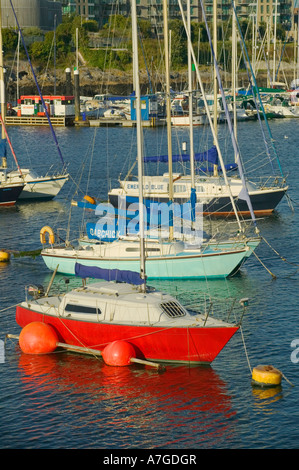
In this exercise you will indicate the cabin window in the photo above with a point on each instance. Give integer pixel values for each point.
(179, 188)
(200, 189)
(81, 309)
(173, 309)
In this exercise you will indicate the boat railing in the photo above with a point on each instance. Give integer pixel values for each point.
(268, 182)
(226, 309)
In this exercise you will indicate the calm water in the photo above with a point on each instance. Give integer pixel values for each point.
(68, 401)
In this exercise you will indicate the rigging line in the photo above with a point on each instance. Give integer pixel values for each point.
(280, 256)
(282, 52)
(245, 349)
(7, 308)
(10, 145)
(257, 91)
(273, 275)
(38, 88)
(250, 86)
(228, 119)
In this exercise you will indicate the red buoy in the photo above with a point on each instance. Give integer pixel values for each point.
(38, 338)
(118, 353)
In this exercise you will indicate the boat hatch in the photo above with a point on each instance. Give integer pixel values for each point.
(173, 309)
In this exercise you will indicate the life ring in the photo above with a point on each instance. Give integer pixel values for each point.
(90, 199)
(50, 232)
(266, 375)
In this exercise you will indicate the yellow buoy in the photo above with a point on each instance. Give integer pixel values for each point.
(266, 376)
(90, 199)
(4, 256)
(50, 232)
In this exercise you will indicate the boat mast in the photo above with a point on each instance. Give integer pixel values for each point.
(210, 118)
(274, 47)
(192, 170)
(139, 141)
(168, 113)
(2, 84)
(234, 74)
(215, 76)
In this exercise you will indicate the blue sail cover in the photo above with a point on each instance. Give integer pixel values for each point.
(3, 148)
(117, 275)
(210, 156)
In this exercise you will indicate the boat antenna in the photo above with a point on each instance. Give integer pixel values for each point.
(37, 85)
(139, 142)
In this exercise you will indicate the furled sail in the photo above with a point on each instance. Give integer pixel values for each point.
(117, 275)
(210, 156)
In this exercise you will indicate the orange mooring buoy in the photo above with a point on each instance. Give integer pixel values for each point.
(38, 338)
(118, 353)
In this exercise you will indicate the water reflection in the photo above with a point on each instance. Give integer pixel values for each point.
(265, 397)
(182, 404)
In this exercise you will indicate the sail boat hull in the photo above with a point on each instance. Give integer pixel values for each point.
(9, 194)
(196, 345)
(264, 202)
(215, 263)
(38, 187)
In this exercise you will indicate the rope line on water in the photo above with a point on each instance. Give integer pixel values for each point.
(280, 256)
(273, 275)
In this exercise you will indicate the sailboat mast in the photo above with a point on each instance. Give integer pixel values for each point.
(234, 73)
(168, 111)
(209, 117)
(2, 85)
(139, 140)
(190, 99)
(274, 39)
(215, 75)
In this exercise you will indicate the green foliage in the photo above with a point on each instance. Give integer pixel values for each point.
(10, 40)
(118, 33)
(91, 25)
(178, 43)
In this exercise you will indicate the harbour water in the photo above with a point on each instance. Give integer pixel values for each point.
(69, 401)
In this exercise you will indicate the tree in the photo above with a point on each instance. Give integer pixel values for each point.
(179, 43)
(10, 40)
